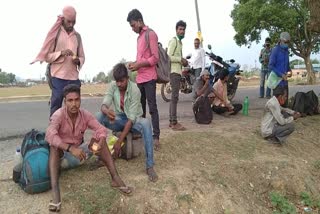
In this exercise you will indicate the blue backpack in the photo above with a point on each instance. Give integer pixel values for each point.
(35, 176)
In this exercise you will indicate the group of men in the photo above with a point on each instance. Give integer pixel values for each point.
(124, 106)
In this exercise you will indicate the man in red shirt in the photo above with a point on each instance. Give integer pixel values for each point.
(145, 64)
(65, 133)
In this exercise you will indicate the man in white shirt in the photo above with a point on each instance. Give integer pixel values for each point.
(197, 60)
(277, 122)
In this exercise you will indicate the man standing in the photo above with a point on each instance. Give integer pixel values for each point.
(277, 122)
(197, 60)
(124, 96)
(65, 133)
(145, 64)
(279, 62)
(264, 60)
(177, 61)
(63, 49)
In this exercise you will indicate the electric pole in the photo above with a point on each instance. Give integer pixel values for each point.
(198, 21)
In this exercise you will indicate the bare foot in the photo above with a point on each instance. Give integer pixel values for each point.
(156, 143)
(152, 174)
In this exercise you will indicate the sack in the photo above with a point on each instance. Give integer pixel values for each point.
(202, 110)
(273, 80)
(163, 67)
(35, 176)
(306, 103)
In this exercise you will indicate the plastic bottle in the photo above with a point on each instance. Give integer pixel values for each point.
(18, 157)
(245, 109)
(17, 165)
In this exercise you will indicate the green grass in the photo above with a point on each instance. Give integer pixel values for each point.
(281, 204)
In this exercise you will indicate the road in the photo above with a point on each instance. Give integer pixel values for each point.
(17, 118)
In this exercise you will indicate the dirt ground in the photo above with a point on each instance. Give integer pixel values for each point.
(224, 167)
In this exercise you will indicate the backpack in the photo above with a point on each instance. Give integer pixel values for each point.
(34, 177)
(202, 110)
(163, 67)
(306, 103)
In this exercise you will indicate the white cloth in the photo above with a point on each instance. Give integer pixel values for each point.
(197, 59)
(272, 115)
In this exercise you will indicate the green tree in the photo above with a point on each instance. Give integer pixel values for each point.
(100, 77)
(251, 17)
(6, 78)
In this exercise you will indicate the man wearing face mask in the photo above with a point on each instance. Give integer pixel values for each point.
(279, 62)
(264, 60)
(145, 64)
(63, 49)
(177, 61)
(277, 122)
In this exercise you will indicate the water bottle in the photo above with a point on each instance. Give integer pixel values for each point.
(17, 165)
(245, 109)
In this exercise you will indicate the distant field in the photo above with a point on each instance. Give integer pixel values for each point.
(44, 90)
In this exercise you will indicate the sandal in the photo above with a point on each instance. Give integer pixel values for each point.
(177, 127)
(54, 207)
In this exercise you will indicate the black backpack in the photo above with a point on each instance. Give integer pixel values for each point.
(202, 110)
(306, 103)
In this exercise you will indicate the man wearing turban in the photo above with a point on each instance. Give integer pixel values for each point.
(63, 50)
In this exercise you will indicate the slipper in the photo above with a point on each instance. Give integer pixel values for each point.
(152, 175)
(125, 190)
(54, 207)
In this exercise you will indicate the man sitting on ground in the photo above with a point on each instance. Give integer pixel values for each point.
(201, 86)
(65, 133)
(127, 115)
(277, 122)
(221, 103)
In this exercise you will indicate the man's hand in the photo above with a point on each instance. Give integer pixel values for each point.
(67, 52)
(296, 115)
(266, 61)
(78, 153)
(117, 150)
(284, 77)
(76, 60)
(133, 66)
(184, 62)
(110, 114)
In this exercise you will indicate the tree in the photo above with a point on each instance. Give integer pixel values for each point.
(295, 62)
(100, 77)
(251, 17)
(314, 22)
(6, 78)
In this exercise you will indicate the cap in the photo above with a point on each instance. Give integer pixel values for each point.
(285, 36)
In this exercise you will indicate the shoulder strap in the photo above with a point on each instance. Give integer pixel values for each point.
(147, 37)
(175, 38)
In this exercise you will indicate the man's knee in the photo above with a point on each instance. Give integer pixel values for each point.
(100, 117)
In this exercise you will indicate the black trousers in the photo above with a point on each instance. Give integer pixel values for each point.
(221, 110)
(148, 93)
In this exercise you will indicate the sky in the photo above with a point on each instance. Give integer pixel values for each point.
(106, 34)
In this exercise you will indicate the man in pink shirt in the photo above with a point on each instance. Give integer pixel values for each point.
(65, 133)
(63, 49)
(145, 64)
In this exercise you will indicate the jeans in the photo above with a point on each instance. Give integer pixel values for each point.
(142, 125)
(57, 92)
(148, 93)
(197, 72)
(175, 87)
(263, 77)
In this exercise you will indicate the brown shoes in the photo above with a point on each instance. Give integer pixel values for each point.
(177, 127)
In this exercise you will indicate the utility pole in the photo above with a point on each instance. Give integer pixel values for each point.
(198, 21)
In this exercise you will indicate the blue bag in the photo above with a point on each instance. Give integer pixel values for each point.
(35, 176)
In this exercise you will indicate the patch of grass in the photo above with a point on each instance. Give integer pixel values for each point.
(316, 164)
(281, 204)
(185, 198)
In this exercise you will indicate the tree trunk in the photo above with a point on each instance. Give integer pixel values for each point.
(311, 77)
(314, 7)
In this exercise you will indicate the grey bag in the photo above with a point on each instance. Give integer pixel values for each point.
(132, 147)
(163, 67)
